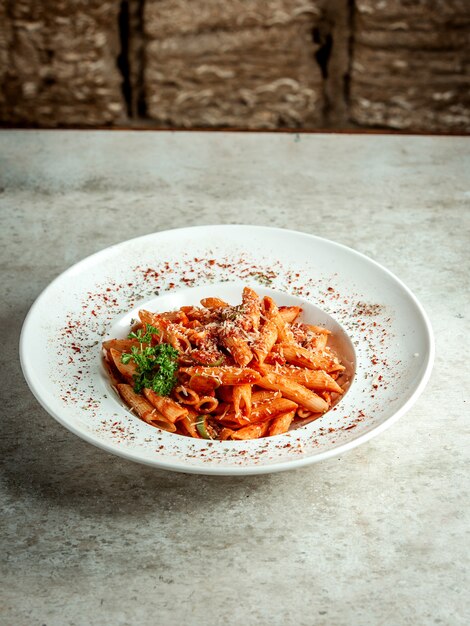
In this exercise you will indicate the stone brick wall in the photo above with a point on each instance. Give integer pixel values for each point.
(232, 63)
(58, 63)
(398, 64)
(411, 64)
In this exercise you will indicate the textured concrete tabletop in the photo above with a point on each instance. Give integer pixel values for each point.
(376, 537)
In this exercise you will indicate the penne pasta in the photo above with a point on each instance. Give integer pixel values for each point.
(206, 404)
(225, 372)
(186, 396)
(254, 431)
(171, 410)
(312, 379)
(242, 401)
(144, 409)
(225, 375)
(126, 370)
(266, 340)
(262, 395)
(188, 424)
(317, 342)
(319, 330)
(111, 371)
(281, 424)
(293, 391)
(237, 347)
(203, 384)
(302, 357)
(289, 313)
(251, 306)
(264, 411)
(152, 319)
(214, 303)
(285, 334)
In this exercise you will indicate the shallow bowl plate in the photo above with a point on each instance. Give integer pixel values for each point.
(381, 330)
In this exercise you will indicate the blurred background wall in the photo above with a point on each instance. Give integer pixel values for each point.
(394, 64)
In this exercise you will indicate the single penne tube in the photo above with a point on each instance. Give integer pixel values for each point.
(272, 312)
(320, 330)
(253, 431)
(171, 410)
(159, 421)
(263, 395)
(203, 385)
(144, 409)
(227, 375)
(302, 357)
(237, 347)
(281, 424)
(317, 380)
(188, 423)
(178, 317)
(206, 404)
(267, 338)
(265, 411)
(289, 313)
(293, 391)
(272, 408)
(127, 370)
(136, 402)
(242, 401)
(122, 345)
(186, 396)
(214, 303)
(251, 306)
(111, 371)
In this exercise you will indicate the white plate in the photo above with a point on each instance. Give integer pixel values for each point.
(348, 292)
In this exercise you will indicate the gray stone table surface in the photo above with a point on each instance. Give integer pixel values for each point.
(375, 537)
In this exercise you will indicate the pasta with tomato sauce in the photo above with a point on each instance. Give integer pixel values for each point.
(219, 371)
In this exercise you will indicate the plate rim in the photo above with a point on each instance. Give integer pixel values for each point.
(233, 470)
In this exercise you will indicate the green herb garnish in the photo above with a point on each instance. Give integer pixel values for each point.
(156, 365)
(144, 337)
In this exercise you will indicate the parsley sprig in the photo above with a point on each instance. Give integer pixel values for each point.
(144, 336)
(156, 365)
